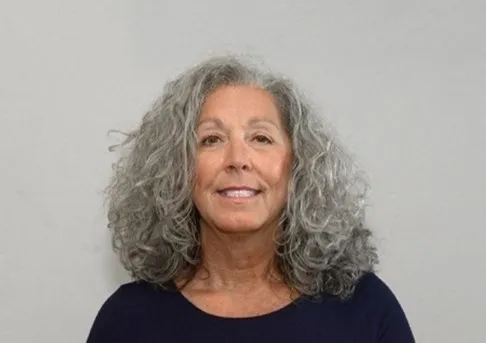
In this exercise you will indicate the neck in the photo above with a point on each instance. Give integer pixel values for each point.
(234, 261)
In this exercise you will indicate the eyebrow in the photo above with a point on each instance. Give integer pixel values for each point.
(216, 121)
(252, 122)
(256, 120)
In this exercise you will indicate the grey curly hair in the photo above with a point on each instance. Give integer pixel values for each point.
(323, 246)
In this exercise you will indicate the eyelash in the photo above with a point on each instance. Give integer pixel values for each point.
(268, 140)
(205, 139)
(258, 136)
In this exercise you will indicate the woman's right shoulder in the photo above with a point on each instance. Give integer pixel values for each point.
(128, 307)
(137, 294)
(137, 290)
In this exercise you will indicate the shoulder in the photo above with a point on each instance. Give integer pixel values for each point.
(132, 296)
(371, 296)
(374, 298)
(134, 292)
(374, 295)
(371, 288)
(127, 308)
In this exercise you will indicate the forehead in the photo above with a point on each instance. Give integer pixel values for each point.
(242, 103)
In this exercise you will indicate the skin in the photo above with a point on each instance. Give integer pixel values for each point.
(241, 142)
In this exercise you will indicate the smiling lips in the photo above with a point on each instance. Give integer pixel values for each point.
(239, 192)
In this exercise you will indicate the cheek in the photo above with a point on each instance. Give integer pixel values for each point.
(198, 183)
(278, 173)
(205, 173)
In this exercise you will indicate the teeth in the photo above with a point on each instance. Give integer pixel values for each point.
(239, 193)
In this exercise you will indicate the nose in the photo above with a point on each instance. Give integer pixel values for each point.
(238, 156)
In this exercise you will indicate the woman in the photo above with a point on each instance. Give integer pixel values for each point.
(241, 220)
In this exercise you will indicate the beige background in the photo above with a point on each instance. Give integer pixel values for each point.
(402, 81)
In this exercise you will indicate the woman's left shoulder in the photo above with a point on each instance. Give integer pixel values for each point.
(371, 285)
(374, 297)
(373, 291)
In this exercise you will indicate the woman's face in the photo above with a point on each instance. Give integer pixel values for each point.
(243, 160)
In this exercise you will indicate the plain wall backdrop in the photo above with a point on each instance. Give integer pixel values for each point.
(403, 83)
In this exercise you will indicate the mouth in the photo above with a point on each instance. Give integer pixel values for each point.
(239, 193)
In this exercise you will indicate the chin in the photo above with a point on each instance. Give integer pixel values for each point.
(235, 225)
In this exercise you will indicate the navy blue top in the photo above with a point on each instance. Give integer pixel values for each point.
(140, 312)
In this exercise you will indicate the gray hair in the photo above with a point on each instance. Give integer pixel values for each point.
(324, 245)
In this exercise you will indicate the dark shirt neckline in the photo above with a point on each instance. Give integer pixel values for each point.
(285, 310)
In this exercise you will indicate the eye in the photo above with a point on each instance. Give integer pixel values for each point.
(210, 140)
(263, 139)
